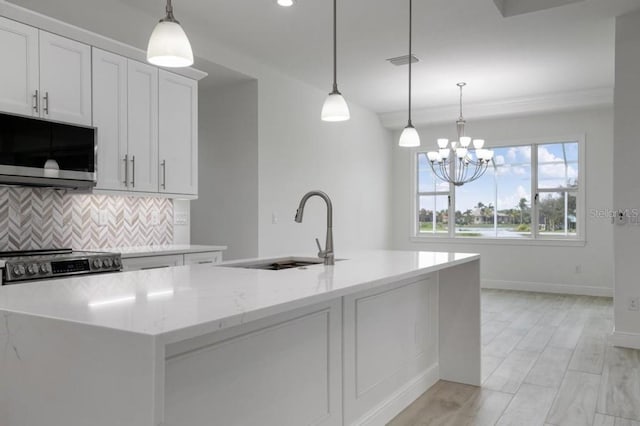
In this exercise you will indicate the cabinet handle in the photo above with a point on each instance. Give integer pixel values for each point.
(204, 262)
(126, 170)
(133, 171)
(164, 174)
(36, 102)
(45, 103)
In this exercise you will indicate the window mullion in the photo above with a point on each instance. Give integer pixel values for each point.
(534, 192)
(452, 210)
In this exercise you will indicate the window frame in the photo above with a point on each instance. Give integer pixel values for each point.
(536, 238)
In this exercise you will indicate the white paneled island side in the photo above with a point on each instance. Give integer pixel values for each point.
(349, 344)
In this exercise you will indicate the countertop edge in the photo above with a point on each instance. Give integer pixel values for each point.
(168, 251)
(174, 336)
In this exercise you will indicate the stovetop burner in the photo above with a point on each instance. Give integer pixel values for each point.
(17, 266)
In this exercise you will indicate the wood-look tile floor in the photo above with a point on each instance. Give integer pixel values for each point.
(546, 360)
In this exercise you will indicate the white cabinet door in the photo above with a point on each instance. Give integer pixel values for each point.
(210, 257)
(19, 70)
(143, 127)
(178, 134)
(151, 262)
(65, 79)
(110, 117)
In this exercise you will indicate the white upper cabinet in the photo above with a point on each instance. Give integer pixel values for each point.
(110, 117)
(125, 111)
(44, 75)
(65, 79)
(178, 134)
(143, 126)
(19, 70)
(147, 119)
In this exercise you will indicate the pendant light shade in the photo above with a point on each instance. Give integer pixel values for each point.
(409, 137)
(335, 108)
(169, 45)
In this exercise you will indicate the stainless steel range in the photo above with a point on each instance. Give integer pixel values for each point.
(19, 266)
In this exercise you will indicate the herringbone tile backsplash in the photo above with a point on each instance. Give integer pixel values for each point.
(33, 218)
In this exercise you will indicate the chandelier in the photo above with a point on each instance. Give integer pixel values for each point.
(457, 162)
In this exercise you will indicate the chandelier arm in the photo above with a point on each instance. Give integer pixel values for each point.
(436, 170)
(480, 170)
(461, 170)
(446, 170)
(443, 170)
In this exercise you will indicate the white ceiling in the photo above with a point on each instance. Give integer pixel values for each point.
(562, 49)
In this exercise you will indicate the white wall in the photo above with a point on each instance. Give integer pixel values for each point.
(226, 211)
(529, 267)
(298, 152)
(625, 180)
(350, 161)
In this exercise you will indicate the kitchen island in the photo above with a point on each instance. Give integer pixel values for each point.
(352, 343)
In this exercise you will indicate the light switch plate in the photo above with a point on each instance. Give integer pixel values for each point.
(181, 219)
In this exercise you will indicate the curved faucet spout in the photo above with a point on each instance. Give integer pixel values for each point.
(327, 253)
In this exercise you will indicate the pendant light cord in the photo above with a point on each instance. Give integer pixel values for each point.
(461, 85)
(410, 57)
(169, 11)
(335, 48)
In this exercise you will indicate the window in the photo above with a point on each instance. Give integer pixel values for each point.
(530, 191)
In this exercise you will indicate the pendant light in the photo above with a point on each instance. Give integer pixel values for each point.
(168, 44)
(409, 137)
(335, 108)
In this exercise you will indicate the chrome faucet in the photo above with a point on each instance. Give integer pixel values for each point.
(327, 253)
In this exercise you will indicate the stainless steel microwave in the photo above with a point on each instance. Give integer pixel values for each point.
(35, 152)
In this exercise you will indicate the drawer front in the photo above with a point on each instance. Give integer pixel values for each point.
(213, 257)
(151, 262)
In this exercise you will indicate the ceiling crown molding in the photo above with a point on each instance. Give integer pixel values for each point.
(565, 101)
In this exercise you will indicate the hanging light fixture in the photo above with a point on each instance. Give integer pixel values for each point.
(335, 108)
(168, 44)
(457, 162)
(409, 137)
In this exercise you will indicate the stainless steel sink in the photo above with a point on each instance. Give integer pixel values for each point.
(277, 264)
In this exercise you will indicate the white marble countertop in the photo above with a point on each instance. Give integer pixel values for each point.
(186, 301)
(163, 250)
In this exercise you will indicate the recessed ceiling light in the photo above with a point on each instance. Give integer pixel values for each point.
(285, 3)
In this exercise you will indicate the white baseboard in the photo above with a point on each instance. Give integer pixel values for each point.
(625, 340)
(398, 401)
(538, 287)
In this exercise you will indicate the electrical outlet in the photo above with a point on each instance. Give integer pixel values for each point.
(621, 218)
(634, 304)
(578, 269)
(103, 218)
(274, 218)
(155, 218)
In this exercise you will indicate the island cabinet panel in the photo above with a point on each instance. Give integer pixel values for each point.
(390, 349)
(62, 373)
(282, 371)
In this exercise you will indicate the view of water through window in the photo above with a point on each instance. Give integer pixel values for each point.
(524, 187)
